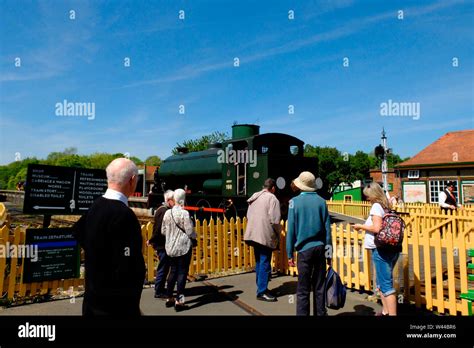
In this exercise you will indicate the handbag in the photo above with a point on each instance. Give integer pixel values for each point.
(193, 241)
(334, 290)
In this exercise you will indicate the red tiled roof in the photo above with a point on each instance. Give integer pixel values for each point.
(451, 148)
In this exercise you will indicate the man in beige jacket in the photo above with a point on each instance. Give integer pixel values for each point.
(263, 233)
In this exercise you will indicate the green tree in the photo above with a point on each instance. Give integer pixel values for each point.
(201, 143)
(69, 160)
(14, 172)
(392, 160)
(136, 160)
(153, 161)
(360, 166)
(101, 160)
(332, 169)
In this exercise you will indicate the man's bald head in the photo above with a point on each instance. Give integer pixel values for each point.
(122, 175)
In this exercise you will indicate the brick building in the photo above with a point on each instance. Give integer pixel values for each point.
(450, 158)
(393, 181)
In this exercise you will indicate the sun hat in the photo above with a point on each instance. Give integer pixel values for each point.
(306, 182)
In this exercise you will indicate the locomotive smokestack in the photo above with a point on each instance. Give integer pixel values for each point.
(245, 130)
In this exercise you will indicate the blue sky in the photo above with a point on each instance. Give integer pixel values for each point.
(282, 62)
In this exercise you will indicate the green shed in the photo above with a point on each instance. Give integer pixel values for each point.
(348, 195)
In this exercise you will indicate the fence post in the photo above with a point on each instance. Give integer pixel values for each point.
(150, 253)
(212, 240)
(199, 246)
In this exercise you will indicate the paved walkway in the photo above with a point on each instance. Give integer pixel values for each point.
(232, 295)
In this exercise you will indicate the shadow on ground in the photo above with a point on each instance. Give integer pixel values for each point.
(358, 310)
(285, 289)
(210, 294)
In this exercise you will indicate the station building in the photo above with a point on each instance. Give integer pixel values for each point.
(450, 158)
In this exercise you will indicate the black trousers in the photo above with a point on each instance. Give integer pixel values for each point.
(111, 305)
(178, 273)
(311, 265)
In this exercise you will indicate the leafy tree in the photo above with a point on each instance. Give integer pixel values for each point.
(101, 160)
(69, 160)
(202, 143)
(14, 172)
(136, 160)
(336, 168)
(153, 161)
(392, 160)
(332, 169)
(360, 166)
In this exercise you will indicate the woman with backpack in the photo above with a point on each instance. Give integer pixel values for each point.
(384, 258)
(179, 231)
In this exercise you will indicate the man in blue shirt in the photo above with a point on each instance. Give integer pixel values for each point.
(309, 233)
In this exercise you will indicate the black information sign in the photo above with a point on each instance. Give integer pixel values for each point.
(57, 190)
(53, 254)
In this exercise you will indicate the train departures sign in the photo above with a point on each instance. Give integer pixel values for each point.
(54, 190)
(54, 254)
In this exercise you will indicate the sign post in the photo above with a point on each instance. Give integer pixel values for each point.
(53, 190)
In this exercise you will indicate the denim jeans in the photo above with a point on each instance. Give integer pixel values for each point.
(384, 261)
(311, 265)
(263, 256)
(162, 271)
(178, 273)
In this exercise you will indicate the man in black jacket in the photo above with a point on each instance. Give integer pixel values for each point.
(110, 235)
(158, 241)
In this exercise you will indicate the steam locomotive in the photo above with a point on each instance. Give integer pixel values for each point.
(226, 174)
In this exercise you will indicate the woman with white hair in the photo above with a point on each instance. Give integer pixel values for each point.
(384, 259)
(179, 231)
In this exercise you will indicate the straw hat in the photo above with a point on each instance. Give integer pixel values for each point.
(306, 182)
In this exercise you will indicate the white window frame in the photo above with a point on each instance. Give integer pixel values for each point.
(436, 186)
(414, 174)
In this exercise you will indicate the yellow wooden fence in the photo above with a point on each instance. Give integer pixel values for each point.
(361, 209)
(12, 288)
(431, 271)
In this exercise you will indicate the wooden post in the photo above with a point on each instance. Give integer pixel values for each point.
(205, 246)
(427, 269)
(462, 269)
(239, 243)
(3, 240)
(416, 263)
(220, 246)
(450, 264)
(46, 220)
(150, 254)
(212, 240)
(439, 269)
(348, 255)
(199, 246)
(356, 258)
(226, 244)
(22, 286)
(232, 244)
(13, 265)
(245, 247)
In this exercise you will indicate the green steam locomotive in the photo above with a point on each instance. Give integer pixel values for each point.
(226, 174)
